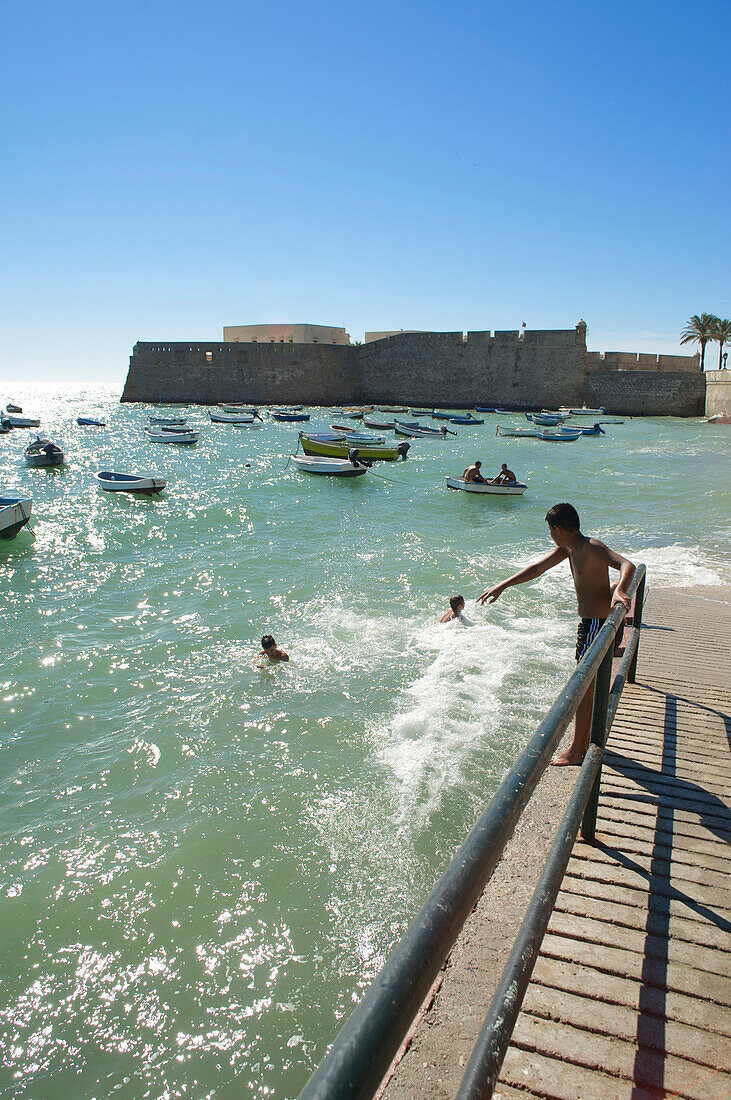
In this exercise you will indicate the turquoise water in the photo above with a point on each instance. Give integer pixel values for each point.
(204, 862)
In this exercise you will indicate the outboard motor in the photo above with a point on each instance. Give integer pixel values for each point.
(403, 449)
(353, 456)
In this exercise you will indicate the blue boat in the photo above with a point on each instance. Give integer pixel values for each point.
(88, 422)
(465, 420)
(484, 409)
(290, 417)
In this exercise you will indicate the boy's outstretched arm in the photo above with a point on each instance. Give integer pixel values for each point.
(528, 574)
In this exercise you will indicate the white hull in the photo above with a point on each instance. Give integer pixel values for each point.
(338, 467)
(22, 422)
(171, 437)
(239, 410)
(129, 483)
(516, 489)
(14, 514)
(241, 420)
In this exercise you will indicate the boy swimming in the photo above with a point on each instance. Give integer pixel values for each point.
(270, 651)
(456, 607)
(590, 561)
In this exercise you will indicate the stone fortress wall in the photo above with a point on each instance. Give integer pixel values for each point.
(542, 368)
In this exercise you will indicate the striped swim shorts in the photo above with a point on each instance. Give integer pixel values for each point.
(585, 635)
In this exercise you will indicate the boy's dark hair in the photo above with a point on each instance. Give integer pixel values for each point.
(455, 601)
(564, 516)
(478, 463)
(267, 642)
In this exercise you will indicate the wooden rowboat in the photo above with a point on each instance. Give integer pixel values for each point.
(312, 446)
(14, 515)
(163, 436)
(509, 489)
(44, 452)
(334, 467)
(112, 482)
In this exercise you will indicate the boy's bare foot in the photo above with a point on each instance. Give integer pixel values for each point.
(567, 758)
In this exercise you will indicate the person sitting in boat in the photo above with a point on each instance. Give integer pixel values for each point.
(505, 477)
(456, 607)
(270, 651)
(472, 473)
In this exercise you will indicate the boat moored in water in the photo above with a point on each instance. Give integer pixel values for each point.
(13, 408)
(561, 436)
(565, 410)
(312, 446)
(15, 513)
(419, 431)
(112, 482)
(334, 467)
(43, 452)
(160, 435)
(383, 425)
(504, 489)
(22, 422)
(89, 422)
(243, 420)
(519, 433)
(545, 420)
(290, 417)
(169, 421)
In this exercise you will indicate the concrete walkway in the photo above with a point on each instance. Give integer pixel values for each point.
(631, 996)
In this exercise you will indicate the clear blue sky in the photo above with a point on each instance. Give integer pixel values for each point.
(169, 168)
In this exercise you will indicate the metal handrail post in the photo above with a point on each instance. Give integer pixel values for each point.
(597, 737)
(637, 623)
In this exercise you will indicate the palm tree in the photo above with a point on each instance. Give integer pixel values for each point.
(722, 333)
(699, 330)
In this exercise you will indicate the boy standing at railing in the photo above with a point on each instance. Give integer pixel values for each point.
(590, 561)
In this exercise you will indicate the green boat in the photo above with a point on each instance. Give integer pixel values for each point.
(340, 450)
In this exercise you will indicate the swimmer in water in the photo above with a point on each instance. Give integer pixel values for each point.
(270, 651)
(456, 607)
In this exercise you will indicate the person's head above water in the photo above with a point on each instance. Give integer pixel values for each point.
(268, 642)
(563, 523)
(456, 603)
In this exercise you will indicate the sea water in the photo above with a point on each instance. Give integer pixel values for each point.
(205, 861)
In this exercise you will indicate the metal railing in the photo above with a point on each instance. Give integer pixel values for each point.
(363, 1050)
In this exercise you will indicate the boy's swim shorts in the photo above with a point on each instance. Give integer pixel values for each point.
(585, 635)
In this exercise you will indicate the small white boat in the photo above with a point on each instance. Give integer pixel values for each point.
(169, 421)
(339, 433)
(350, 414)
(242, 420)
(420, 431)
(43, 452)
(156, 435)
(240, 410)
(566, 411)
(14, 514)
(113, 482)
(506, 489)
(382, 425)
(563, 435)
(520, 433)
(338, 467)
(22, 422)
